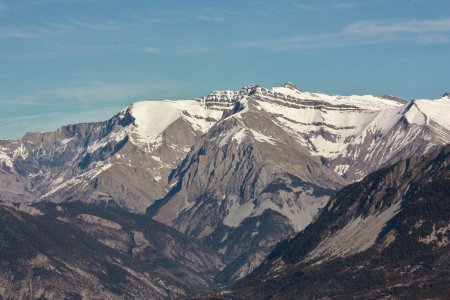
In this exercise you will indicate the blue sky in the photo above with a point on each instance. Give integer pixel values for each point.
(69, 61)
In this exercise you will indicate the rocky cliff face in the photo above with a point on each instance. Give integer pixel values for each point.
(386, 236)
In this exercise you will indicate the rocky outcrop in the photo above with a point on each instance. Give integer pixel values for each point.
(386, 236)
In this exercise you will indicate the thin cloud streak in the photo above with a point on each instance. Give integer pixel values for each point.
(177, 49)
(207, 18)
(146, 19)
(98, 91)
(150, 49)
(99, 25)
(93, 93)
(69, 26)
(59, 50)
(93, 101)
(318, 7)
(191, 49)
(17, 126)
(9, 122)
(33, 101)
(53, 29)
(44, 2)
(363, 33)
(382, 27)
(7, 32)
(343, 5)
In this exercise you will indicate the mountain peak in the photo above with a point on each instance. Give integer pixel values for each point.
(394, 98)
(291, 86)
(221, 96)
(250, 88)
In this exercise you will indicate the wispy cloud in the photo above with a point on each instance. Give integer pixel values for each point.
(322, 7)
(9, 32)
(89, 93)
(210, 14)
(7, 121)
(191, 49)
(52, 29)
(207, 17)
(15, 127)
(343, 5)
(203, 14)
(91, 101)
(98, 91)
(95, 92)
(60, 50)
(177, 49)
(33, 101)
(98, 24)
(386, 27)
(146, 19)
(150, 49)
(63, 1)
(363, 33)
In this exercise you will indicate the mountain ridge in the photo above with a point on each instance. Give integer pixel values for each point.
(221, 167)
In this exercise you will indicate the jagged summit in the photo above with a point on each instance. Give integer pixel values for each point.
(218, 98)
(223, 100)
(248, 90)
(394, 98)
(291, 86)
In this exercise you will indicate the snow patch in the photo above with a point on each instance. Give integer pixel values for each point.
(156, 158)
(225, 137)
(263, 138)
(436, 110)
(20, 152)
(64, 142)
(341, 169)
(152, 117)
(415, 116)
(5, 159)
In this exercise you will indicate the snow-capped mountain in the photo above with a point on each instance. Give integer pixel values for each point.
(125, 160)
(236, 170)
(279, 156)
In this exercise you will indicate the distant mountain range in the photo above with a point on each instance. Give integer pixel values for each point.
(234, 172)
